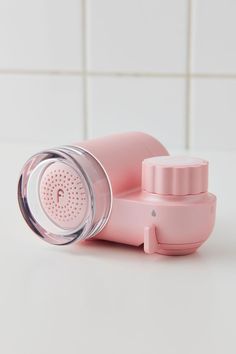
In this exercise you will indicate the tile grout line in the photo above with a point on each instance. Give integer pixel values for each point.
(39, 72)
(84, 70)
(188, 78)
(135, 74)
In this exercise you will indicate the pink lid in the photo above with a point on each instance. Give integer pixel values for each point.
(63, 195)
(175, 175)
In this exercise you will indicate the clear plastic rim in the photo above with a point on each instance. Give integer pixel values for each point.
(98, 188)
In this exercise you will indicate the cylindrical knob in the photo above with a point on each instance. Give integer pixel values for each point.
(174, 175)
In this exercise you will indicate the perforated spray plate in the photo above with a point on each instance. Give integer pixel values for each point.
(63, 195)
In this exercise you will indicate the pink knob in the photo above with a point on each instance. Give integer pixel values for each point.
(174, 175)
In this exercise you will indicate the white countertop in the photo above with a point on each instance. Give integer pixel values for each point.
(99, 297)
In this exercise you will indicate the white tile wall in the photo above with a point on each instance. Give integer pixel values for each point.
(41, 109)
(152, 105)
(214, 43)
(43, 34)
(126, 35)
(71, 69)
(214, 113)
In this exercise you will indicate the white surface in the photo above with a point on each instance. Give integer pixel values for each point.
(86, 68)
(214, 113)
(41, 109)
(152, 105)
(105, 298)
(214, 27)
(124, 36)
(43, 34)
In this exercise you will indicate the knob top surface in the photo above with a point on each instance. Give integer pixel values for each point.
(175, 175)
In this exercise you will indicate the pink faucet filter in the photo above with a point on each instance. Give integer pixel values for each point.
(122, 188)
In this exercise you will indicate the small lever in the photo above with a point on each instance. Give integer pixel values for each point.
(151, 244)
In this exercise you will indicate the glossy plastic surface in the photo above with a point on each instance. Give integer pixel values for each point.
(175, 175)
(122, 188)
(180, 223)
(64, 195)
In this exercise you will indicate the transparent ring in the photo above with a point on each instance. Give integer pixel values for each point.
(65, 195)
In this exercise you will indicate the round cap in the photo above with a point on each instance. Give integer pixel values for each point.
(175, 175)
(63, 195)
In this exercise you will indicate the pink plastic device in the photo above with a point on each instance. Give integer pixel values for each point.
(122, 188)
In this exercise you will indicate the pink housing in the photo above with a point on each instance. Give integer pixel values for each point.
(122, 188)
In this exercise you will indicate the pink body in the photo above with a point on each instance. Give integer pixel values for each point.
(123, 188)
(121, 155)
(168, 224)
(181, 224)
